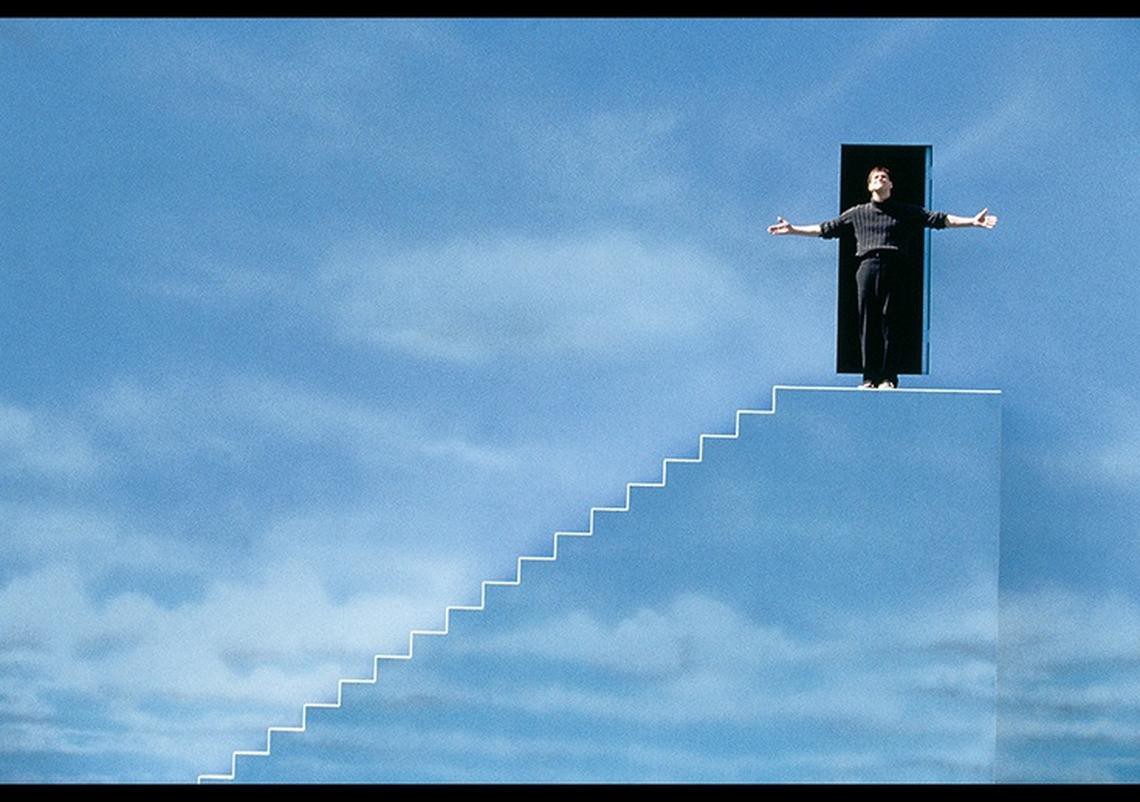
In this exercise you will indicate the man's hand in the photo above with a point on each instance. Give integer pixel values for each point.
(984, 220)
(782, 226)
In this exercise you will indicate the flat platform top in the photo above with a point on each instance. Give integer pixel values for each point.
(895, 390)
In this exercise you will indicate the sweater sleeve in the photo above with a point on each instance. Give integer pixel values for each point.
(838, 227)
(933, 219)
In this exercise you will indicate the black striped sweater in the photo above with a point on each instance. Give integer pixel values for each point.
(886, 226)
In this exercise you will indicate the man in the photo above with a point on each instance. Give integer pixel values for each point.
(883, 230)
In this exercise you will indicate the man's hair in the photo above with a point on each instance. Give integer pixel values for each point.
(874, 170)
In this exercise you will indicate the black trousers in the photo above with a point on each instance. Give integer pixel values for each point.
(879, 335)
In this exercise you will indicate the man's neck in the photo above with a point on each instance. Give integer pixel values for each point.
(878, 196)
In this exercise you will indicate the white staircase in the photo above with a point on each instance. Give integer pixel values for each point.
(852, 401)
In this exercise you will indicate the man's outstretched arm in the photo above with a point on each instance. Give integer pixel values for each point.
(782, 226)
(981, 220)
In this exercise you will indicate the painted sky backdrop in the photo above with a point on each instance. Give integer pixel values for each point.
(307, 327)
(757, 619)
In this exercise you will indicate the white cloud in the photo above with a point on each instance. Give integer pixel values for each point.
(33, 532)
(265, 630)
(272, 623)
(608, 295)
(700, 660)
(1070, 688)
(252, 651)
(33, 442)
(21, 703)
(82, 536)
(1119, 461)
(1054, 630)
(600, 760)
(693, 631)
(228, 415)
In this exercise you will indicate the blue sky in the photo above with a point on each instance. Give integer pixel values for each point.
(310, 326)
(756, 619)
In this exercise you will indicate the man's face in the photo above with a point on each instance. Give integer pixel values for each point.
(879, 180)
